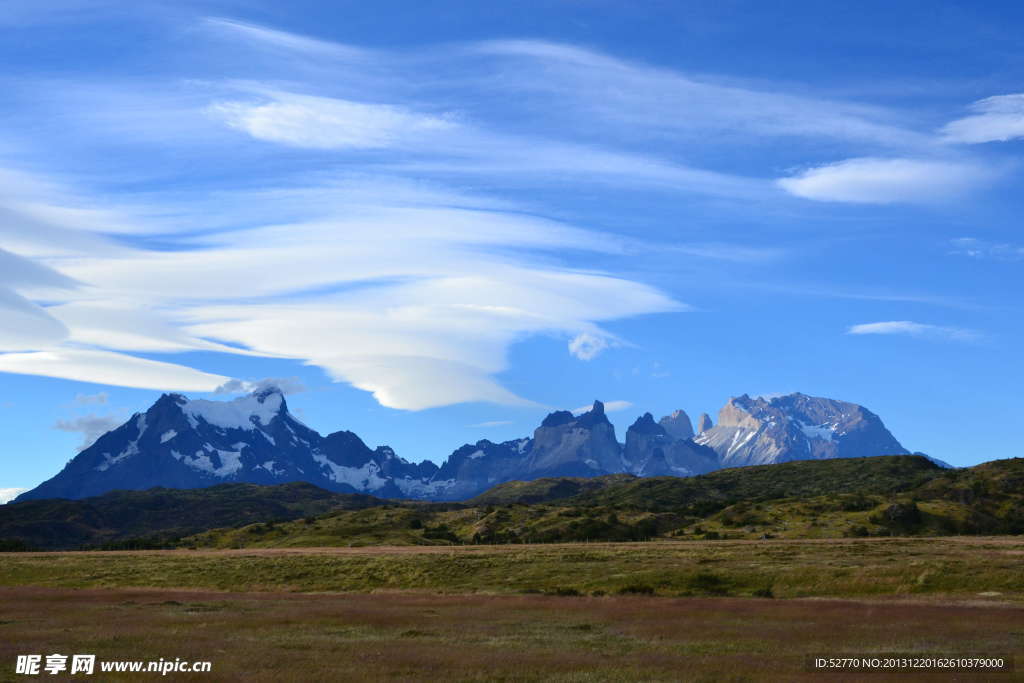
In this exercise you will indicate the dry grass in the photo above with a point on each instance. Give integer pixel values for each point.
(403, 636)
(474, 613)
(927, 568)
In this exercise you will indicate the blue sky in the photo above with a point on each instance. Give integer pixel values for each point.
(438, 221)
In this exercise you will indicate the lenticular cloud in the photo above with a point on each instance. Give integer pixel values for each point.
(416, 305)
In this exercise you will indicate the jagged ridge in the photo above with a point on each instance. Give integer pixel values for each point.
(184, 443)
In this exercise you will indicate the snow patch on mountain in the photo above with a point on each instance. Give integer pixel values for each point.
(417, 488)
(109, 460)
(246, 412)
(822, 432)
(269, 467)
(365, 478)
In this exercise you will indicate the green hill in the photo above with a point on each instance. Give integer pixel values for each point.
(877, 475)
(547, 490)
(158, 517)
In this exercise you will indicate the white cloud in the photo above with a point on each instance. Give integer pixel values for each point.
(913, 329)
(416, 304)
(609, 407)
(9, 494)
(328, 123)
(886, 181)
(409, 290)
(91, 427)
(444, 146)
(998, 119)
(654, 100)
(492, 423)
(587, 346)
(127, 326)
(287, 385)
(983, 249)
(105, 367)
(289, 41)
(27, 325)
(92, 399)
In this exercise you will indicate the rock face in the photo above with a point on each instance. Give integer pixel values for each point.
(652, 451)
(181, 443)
(564, 445)
(677, 425)
(569, 446)
(704, 423)
(474, 468)
(758, 431)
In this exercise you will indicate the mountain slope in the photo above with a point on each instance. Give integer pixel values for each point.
(759, 431)
(161, 515)
(182, 443)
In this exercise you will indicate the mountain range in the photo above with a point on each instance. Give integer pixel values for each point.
(903, 495)
(182, 443)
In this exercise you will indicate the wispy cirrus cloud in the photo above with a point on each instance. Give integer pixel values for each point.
(440, 293)
(609, 407)
(618, 92)
(915, 329)
(289, 41)
(328, 123)
(351, 209)
(885, 181)
(997, 119)
(108, 367)
(984, 249)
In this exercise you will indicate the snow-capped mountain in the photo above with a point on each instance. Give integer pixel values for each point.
(760, 431)
(183, 443)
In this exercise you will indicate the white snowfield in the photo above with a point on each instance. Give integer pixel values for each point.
(242, 413)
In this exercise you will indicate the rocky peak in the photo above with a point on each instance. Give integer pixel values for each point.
(559, 417)
(594, 416)
(754, 431)
(167, 403)
(645, 424)
(739, 411)
(568, 445)
(704, 423)
(677, 425)
(652, 450)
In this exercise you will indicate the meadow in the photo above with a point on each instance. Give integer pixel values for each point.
(967, 567)
(420, 636)
(665, 610)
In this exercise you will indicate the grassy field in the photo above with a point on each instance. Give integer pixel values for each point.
(409, 636)
(693, 610)
(945, 568)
